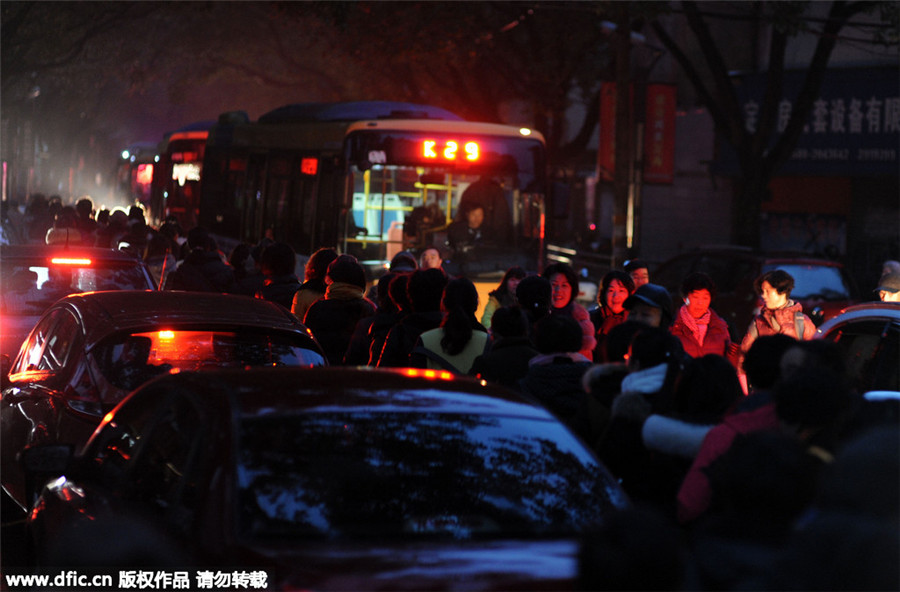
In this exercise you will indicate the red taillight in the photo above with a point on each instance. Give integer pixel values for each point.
(431, 374)
(71, 261)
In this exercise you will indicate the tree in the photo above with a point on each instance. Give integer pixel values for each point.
(763, 151)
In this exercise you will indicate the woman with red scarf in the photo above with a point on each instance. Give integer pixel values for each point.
(698, 327)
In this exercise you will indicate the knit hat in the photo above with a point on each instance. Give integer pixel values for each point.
(651, 295)
(889, 282)
(534, 293)
(346, 269)
(403, 262)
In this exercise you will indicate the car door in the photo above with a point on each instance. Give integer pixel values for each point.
(871, 349)
(143, 466)
(29, 409)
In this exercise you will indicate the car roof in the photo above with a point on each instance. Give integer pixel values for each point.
(112, 311)
(47, 251)
(266, 391)
(885, 311)
(764, 257)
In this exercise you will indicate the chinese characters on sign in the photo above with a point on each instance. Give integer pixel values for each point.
(853, 128)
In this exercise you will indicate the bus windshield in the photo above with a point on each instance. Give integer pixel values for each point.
(409, 191)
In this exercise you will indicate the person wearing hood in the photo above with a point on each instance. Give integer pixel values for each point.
(333, 318)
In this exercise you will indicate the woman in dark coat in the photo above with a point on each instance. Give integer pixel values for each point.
(615, 287)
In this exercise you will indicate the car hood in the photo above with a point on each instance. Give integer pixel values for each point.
(460, 565)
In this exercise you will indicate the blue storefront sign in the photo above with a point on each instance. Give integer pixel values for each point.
(852, 130)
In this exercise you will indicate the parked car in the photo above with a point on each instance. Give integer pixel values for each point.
(822, 286)
(88, 351)
(35, 276)
(869, 335)
(337, 478)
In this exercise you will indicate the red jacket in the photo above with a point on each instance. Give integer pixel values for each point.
(716, 340)
(695, 493)
(783, 320)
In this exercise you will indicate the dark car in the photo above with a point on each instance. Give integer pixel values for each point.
(337, 479)
(822, 286)
(35, 276)
(869, 335)
(88, 351)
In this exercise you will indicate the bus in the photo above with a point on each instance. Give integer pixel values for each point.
(375, 178)
(175, 190)
(134, 174)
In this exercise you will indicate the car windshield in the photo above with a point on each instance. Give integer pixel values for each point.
(30, 288)
(128, 360)
(348, 475)
(815, 281)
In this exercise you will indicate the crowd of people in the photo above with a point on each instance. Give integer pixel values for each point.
(750, 461)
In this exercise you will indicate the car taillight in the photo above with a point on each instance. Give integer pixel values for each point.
(432, 374)
(81, 261)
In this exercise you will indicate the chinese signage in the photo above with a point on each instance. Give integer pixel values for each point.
(853, 129)
(659, 133)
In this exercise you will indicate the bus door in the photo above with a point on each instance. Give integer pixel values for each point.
(300, 206)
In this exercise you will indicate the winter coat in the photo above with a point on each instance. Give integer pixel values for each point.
(496, 300)
(402, 337)
(279, 289)
(308, 292)
(555, 381)
(580, 314)
(786, 320)
(333, 319)
(604, 321)
(202, 271)
(716, 341)
(428, 352)
(506, 363)
(695, 493)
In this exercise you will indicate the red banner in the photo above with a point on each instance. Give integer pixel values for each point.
(659, 134)
(606, 150)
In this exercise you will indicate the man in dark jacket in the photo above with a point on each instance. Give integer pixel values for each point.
(203, 270)
(425, 288)
(554, 376)
(333, 318)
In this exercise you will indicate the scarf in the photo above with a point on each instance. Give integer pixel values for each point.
(696, 326)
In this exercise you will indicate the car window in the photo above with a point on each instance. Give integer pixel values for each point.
(63, 341)
(815, 281)
(110, 451)
(31, 356)
(871, 350)
(31, 287)
(163, 472)
(423, 474)
(131, 359)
